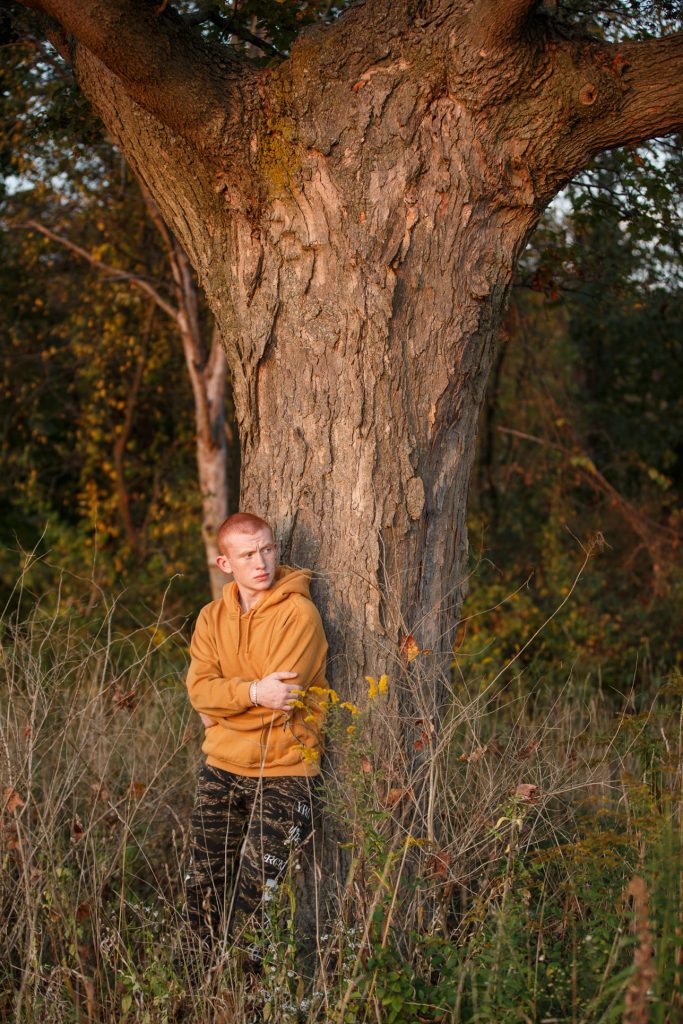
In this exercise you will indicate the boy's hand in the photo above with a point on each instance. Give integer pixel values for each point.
(207, 720)
(273, 692)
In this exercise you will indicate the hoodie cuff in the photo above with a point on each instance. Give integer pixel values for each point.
(242, 693)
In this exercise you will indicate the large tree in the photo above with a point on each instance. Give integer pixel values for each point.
(355, 210)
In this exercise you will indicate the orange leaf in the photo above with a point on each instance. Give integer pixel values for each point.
(526, 792)
(12, 800)
(395, 795)
(423, 735)
(365, 765)
(409, 648)
(9, 837)
(439, 864)
(136, 790)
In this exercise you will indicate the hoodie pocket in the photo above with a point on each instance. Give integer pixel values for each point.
(259, 748)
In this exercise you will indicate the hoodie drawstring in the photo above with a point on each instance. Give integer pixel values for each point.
(249, 618)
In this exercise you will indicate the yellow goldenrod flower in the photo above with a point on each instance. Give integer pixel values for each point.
(372, 692)
(382, 685)
(350, 707)
(307, 753)
(351, 729)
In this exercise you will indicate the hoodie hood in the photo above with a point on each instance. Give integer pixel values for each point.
(287, 581)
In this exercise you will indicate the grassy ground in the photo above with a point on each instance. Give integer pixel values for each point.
(528, 870)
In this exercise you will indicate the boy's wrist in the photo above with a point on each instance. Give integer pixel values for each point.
(253, 692)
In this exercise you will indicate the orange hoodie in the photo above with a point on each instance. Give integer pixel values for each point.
(282, 632)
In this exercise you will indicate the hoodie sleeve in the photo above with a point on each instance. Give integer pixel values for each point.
(301, 647)
(211, 693)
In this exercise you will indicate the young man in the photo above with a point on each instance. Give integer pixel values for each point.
(255, 654)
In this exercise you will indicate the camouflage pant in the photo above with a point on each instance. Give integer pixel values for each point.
(243, 833)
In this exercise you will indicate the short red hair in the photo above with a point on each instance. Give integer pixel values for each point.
(240, 522)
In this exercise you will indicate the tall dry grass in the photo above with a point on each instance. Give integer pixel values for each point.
(478, 867)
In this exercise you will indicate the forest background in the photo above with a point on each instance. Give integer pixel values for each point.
(574, 519)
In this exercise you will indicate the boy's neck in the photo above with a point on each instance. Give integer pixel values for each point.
(247, 599)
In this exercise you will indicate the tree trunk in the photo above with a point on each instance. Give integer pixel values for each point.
(208, 372)
(356, 246)
(213, 462)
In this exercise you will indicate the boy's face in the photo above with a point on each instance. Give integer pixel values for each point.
(252, 560)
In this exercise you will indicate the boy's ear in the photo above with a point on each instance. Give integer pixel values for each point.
(223, 564)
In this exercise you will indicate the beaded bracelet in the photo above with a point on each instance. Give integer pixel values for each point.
(252, 692)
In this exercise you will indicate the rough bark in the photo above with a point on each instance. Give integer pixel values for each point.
(356, 233)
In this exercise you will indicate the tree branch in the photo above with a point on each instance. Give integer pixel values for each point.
(495, 22)
(104, 268)
(188, 320)
(651, 78)
(653, 535)
(192, 86)
(230, 26)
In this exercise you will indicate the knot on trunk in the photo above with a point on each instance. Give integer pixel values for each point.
(415, 497)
